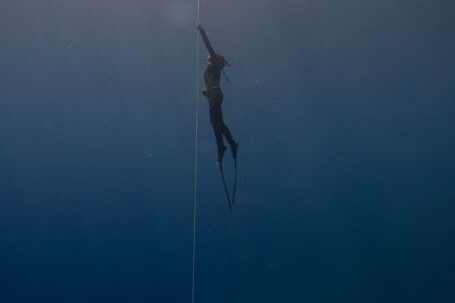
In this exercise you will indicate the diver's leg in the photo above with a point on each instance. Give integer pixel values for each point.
(216, 121)
(234, 145)
(227, 134)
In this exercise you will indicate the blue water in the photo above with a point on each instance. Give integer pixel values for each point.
(344, 112)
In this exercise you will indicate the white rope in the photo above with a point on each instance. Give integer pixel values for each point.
(196, 151)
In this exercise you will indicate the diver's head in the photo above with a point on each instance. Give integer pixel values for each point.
(216, 60)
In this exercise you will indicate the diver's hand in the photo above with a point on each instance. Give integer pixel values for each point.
(198, 26)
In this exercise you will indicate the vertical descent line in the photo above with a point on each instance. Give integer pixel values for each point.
(196, 151)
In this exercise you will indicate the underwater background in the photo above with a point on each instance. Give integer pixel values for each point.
(344, 111)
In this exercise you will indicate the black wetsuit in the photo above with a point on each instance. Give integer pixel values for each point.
(212, 77)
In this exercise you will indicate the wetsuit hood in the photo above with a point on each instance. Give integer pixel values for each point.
(217, 60)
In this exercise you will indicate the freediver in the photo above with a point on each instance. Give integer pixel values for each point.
(212, 77)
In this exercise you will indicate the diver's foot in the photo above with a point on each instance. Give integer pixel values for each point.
(234, 148)
(221, 152)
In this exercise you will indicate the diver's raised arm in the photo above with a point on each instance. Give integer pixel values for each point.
(206, 40)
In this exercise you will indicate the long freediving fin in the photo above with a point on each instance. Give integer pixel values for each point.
(234, 191)
(224, 185)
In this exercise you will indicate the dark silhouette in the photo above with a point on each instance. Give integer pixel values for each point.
(212, 77)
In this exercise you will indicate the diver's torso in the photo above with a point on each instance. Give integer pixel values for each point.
(212, 76)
